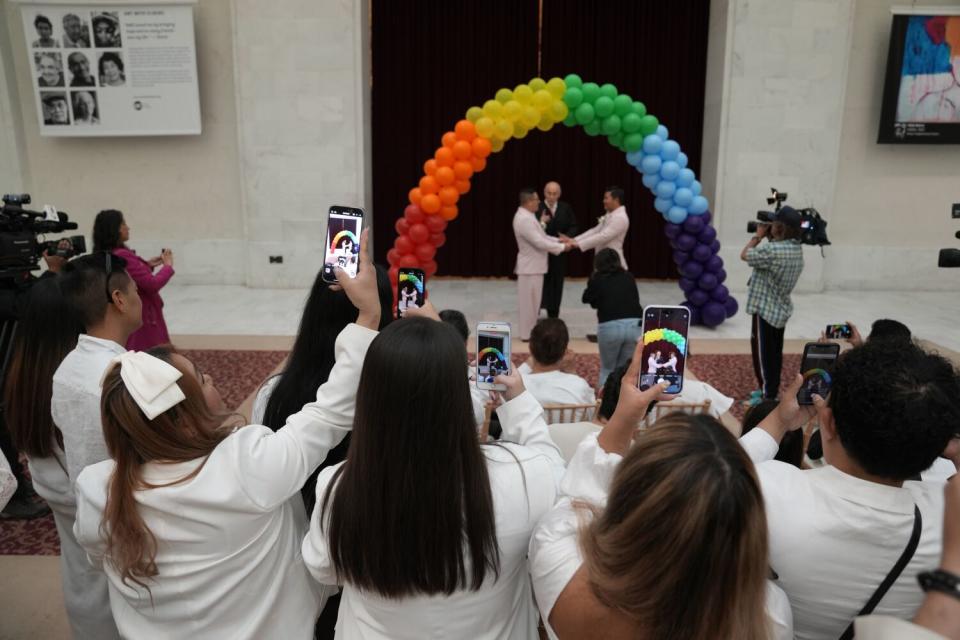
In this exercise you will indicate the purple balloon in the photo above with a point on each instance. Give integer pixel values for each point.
(695, 317)
(701, 253)
(698, 297)
(707, 216)
(687, 284)
(713, 314)
(714, 264)
(721, 276)
(731, 306)
(686, 242)
(694, 225)
(692, 269)
(715, 246)
(720, 293)
(672, 230)
(707, 281)
(680, 257)
(707, 236)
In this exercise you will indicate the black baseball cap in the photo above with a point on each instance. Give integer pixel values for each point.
(788, 216)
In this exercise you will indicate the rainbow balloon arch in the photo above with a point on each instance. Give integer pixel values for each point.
(600, 110)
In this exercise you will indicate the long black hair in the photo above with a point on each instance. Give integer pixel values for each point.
(326, 313)
(106, 230)
(607, 261)
(413, 511)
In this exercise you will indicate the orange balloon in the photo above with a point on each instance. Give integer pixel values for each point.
(430, 167)
(465, 130)
(428, 185)
(449, 213)
(415, 195)
(480, 147)
(449, 139)
(430, 203)
(479, 164)
(449, 196)
(445, 176)
(462, 170)
(462, 150)
(462, 186)
(445, 157)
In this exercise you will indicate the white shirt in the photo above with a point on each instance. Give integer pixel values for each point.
(696, 392)
(75, 403)
(499, 609)
(608, 234)
(8, 482)
(259, 410)
(554, 549)
(835, 537)
(229, 538)
(557, 387)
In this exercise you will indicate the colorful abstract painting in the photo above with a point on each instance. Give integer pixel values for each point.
(930, 73)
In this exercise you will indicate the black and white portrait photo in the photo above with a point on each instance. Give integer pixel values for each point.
(44, 28)
(76, 32)
(110, 67)
(79, 65)
(85, 108)
(55, 109)
(49, 69)
(106, 30)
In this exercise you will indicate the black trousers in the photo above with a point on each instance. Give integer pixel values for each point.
(553, 285)
(766, 346)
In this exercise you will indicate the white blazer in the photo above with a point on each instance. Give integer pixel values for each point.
(229, 538)
(501, 609)
(608, 234)
(533, 244)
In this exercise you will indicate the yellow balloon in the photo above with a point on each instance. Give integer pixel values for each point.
(537, 84)
(558, 111)
(503, 129)
(546, 122)
(484, 126)
(492, 109)
(474, 114)
(496, 144)
(557, 87)
(520, 131)
(504, 95)
(530, 117)
(512, 110)
(542, 99)
(522, 93)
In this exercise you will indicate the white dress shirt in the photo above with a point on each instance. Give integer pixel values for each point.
(259, 410)
(228, 551)
(501, 608)
(554, 549)
(533, 244)
(8, 482)
(608, 234)
(557, 387)
(835, 537)
(75, 403)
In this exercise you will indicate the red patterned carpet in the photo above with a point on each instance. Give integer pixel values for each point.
(239, 373)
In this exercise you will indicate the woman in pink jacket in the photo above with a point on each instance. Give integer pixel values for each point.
(111, 233)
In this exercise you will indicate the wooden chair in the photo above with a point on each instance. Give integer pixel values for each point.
(564, 413)
(663, 409)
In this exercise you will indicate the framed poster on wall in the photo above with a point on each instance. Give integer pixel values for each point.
(113, 69)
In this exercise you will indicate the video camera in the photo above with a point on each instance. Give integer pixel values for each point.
(949, 258)
(20, 248)
(813, 228)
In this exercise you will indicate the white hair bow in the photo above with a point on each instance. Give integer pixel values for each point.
(151, 382)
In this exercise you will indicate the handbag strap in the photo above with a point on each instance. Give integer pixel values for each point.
(894, 573)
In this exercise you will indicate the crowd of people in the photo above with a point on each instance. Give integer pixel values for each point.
(360, 501)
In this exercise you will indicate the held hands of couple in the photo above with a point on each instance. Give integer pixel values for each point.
(362, 290)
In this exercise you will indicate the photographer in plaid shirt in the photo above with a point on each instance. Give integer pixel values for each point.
(776, 269)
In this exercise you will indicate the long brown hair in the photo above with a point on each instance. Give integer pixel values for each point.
(681, 547)
(46, 333)
(188, 431)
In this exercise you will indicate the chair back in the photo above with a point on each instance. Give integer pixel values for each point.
(666, 408)
(565, 413)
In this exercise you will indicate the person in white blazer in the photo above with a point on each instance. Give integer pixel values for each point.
(195, 523)
(610, 230)
(533, 245)
(425, 528)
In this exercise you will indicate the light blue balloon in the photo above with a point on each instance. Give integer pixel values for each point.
(669, 150)
(666, 189)
(685, 178)
(652, 144)
(698, 206)
(634, 158)
(651, 164)
(662, 205)
(651, 180)
(662, 132)
(670, 170)
(682, 159)
(696, 188)
(677, 215)
(683, 197)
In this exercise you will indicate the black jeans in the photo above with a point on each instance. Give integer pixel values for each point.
(766, 346)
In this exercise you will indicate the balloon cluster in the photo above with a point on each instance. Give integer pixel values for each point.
(667, 335)
(537, 104)
(601, 109)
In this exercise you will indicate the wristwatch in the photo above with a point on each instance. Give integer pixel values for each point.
(940, 580)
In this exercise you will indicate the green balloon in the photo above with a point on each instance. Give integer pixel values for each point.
(616, 139)
(640, 109)
(633, 141)
(604, 106)
(590, 91)
(571, 119)
(585, 114)
(630, 122)
(648, 125)
(573, 97)
(622, 105)
(573, 80)
(592, 128)
(608, 90)
(611, 124)
(623, 147)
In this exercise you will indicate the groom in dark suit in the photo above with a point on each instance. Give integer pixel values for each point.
(557, 218)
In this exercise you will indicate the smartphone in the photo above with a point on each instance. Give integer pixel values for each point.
(838, 331)
(343, 241)
(665, 330)
(493, 353)
(817, 370)
(411, 289)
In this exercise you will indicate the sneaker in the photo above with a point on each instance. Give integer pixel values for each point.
(756, 397)
(591, 337)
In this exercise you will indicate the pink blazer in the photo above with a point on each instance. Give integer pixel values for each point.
(154, 329)
(533, 244)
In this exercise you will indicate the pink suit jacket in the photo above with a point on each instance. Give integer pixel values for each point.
(533, 244)
(609, 234)
(153, 331)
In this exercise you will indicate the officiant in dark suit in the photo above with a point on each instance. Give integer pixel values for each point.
(557, 218)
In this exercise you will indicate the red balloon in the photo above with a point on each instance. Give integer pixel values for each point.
(428, 185)
(449, 139)
(465, 130)
(462, 187)
(402, 226)
(438, 239)
(444, 157)
(414, 214)
(445, 176)
(403, 245)
(409, 260)
(430, 268)
(392, 256)
(481, 147)
(425, 252)
(419, 233)
(394, 274)
(479, 164)
(430, 167)
(462, 150)
(462, 170)
(436, 224)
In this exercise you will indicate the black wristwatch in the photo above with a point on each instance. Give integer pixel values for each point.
(940, 580)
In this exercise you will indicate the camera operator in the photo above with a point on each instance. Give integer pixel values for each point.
(777, 265)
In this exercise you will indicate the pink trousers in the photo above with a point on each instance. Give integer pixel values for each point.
(529, 292)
